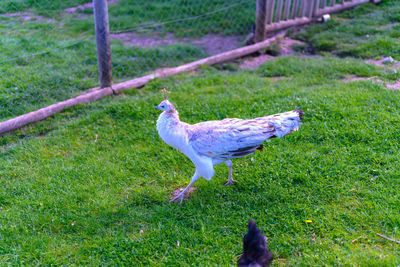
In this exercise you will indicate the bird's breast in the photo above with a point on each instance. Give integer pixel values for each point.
(172, 133)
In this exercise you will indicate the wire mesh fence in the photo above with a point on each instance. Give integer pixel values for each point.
(49, 47)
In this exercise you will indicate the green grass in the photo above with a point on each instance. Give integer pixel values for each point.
(29, 81)
(69, 197)
(44, 6)
(182, 17)
(368, 31)
(90, 186)
(226, 17)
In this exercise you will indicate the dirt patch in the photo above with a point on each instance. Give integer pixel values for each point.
(352, 78)
(73, 10)
(286, 46)
(394, 86)
(286, 49)
(277, 78)
(375, 62)
(212, 44)
(187, 193)
(26, 16)
(395, 65)
(143, 40)
(387, 26)
(215, 44)
(254, 62)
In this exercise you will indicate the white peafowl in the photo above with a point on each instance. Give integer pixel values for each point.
(211, 143)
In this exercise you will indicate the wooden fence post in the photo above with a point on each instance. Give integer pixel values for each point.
(103, 42)
(261, 20)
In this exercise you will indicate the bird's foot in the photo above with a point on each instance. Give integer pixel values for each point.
(178, 197)
(230, 181)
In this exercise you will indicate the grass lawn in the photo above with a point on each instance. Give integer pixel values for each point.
(195, 18)
(92, 188)
(29, 81)
(51, 58)
(368, 31)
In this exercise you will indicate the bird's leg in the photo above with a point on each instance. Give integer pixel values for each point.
(230, 180)
(181, 194)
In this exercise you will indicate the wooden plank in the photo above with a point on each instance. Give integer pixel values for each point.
(323, 4)
(294, 9)
(286, 11)
(103, 42)
(97, 93)
(279, 7)
(261, 21)
(270, 11)
(342, 2)
(332, 3)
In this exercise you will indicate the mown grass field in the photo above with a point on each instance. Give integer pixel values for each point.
(90, 186)
(95, 189)
(66, 72)
(369, 31)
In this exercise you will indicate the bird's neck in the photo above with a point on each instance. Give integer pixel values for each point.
(171, 116)
(172, 130)
(167, 121)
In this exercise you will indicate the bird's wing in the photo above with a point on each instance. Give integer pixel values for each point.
(229, 138)
(233, 138)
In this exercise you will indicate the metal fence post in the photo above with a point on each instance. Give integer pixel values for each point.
(103, 42)
(261, 20)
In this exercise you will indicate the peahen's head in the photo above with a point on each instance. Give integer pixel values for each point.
(166, 106)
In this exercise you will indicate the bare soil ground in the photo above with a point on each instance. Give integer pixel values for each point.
(352, 78)
(211, 43)
(74, 9)
(395, 65)
(25, 16)
(285, 48)
(187, 193)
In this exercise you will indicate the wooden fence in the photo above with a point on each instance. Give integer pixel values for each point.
(271, 15)
(274, 15)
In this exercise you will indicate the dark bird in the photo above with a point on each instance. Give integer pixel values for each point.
(255, 250)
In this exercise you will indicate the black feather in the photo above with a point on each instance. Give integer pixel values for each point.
(255, 249)
(243, 149)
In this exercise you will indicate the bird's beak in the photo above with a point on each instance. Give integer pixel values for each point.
(157, 107)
